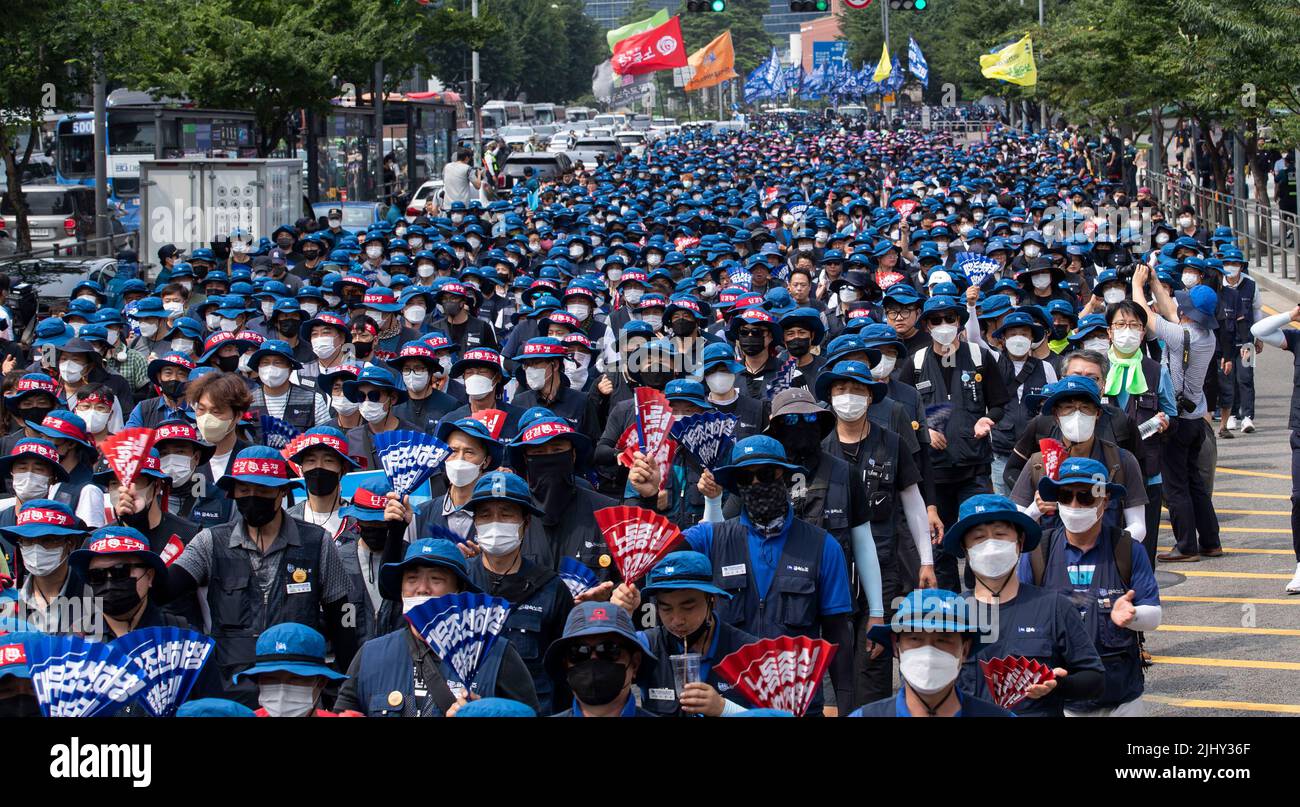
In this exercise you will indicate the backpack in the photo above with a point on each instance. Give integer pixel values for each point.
(1121, 549)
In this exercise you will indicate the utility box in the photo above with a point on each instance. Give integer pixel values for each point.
(194, 202)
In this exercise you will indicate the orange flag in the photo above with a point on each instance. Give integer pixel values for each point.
(714, 63)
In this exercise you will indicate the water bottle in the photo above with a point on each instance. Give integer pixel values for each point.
(1149, 427)
(1248, 357)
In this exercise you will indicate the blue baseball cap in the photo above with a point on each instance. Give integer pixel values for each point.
(293, 648)
(981, 509)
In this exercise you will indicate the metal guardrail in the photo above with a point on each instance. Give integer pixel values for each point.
(1268, 236)
(80, 250)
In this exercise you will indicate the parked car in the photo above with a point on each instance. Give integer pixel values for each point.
(636, 141)
(431, 188)
(589, 150)
(545, 166)
(60, 218)
(356, 215)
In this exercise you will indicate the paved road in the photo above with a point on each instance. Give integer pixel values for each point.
(1230, 642)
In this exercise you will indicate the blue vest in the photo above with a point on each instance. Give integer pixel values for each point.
(659, 686)
(1118, 647)
(791, 606)
(387, 667)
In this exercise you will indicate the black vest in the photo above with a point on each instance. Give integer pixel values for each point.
(967, 401)
(299, 410)
(658, 684)
(824, 499)
(1015, 417)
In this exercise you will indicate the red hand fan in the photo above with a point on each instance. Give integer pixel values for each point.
(637, 538)
(781, 673)
(905, 206)
(1053, 455)
(663, 457)
(494, 419)
(654, 418)
(125, 453)
(1009, 679)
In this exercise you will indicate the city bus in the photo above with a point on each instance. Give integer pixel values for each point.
(547, 114)
(141, 129)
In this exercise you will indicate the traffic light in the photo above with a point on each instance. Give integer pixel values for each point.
(908, 5)
(695, 6)
(809, 6)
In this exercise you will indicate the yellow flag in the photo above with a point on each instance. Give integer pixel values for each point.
(885, 67)
(1014, 64)
(713, 64)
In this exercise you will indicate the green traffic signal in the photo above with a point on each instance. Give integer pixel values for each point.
(719, 5)
(822, 5)
(920, 5)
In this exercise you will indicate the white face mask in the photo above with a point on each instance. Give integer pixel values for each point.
(614, 276)
(461, 473)
(498, 537)
(884, 367)
(183, 345)
(373, 411)
(228, 324)
(373, 253)
(1191, 279)
(710, 289)
(213, 322)
(848, 295)
(415, 380)
(267, 308)
(272, 376)
(535, 377)
(310, 309)
(324, 346)
(928, 670)
(343, 406)
(579, 310)
(41, 561)
(332, 300)
(850, 406)
(1126, 340)
(993, 558)
(413, 602)
(633, 295)
(287, 700)
(944, 334)
(1017, 345)
(173, 307)
(1032, 250)
(178, 467)
(89, 298)
(96, 421)
(654, 260)
(212, 428)
(1041, 280)
(415, 314)
(71, 371)
(474, 241)
(425, 270)
(655, 321)
(113, 336)
(1077, 519)
(1077, 427)
(444, 363)
(1184, 222)
(148, 329)
(335, 223)
(1113, 295)
(720, 383)
(1162, 239)
(30, 485)
(1099, 345)
(478, 386)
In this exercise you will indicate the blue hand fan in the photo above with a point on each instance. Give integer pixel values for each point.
(409, 458)
(740, 278)
(74, 677)
(783, 378)
(708, 437)
(436, 531)
(461, 629)
(170, 660)
(576, 575)
(936, 417)
(277, 433)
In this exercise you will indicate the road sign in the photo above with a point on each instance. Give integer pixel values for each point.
(829, 52)
(857, 3)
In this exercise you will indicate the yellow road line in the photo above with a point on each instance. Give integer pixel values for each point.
(1241, 472)
(1236, 494)
(1272, 312)
(1235, 512)
(1245, 551)
(1229, 629)
(1233, 600)
(1230, 575)
(1245, 706)
(1247, 530)
(1246, 664)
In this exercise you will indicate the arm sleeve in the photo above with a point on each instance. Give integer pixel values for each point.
(713, 509)
(730, 708)
(1135, 521)
(1147, 618)
(973, 334)
(918, 523)
(868, 565)
(1269, 329)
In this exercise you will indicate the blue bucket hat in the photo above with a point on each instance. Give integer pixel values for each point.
(982, 509)
(293, 648)
(539, 425)
(592, 619)
(214, 707)
(720, 355)
(43, 517)
(1088, 325)
(1079, 471)
(688, 391)
(943, 302)
(930, 610)
(426, 552)
(474, 428)
(753, 451)
(257, 465)
(117, 541)
(368, 501)
(1199, 304)
(52, 331)
(1021, 319)
(852, 371)
(807, 318)
(377, 376)
(495, 707)
(274, 347)
(682, 570)
(502, 486)
(1071, 386)
(329, 438)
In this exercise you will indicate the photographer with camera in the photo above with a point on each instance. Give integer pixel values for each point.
(1186, 325)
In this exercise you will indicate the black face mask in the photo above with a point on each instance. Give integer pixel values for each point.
(803, 444)
(374, 535)
(550, 478)
(362, 349)
(453, 307)
(258, 511)
(322, 481)
(798, 347)
(684, 327)
(310, 254)
(36, 414)
(752, 345)
(118, 596)
(139, 521)
(228, 364)
(1060, 331)
(766, 502)
(597, 682)
(174, 389)
(19, 706)
(287, 327)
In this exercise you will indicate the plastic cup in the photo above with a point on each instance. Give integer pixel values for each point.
(686, 670)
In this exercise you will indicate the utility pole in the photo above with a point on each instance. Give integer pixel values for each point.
(381, 192)
(102, 225)
(1042, 107)
(473, 93)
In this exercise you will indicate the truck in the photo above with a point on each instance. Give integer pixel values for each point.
(194, 202)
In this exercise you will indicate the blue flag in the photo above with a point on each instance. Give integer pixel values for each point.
(576, 575)
(916, 63)
(708, 437)
(756, 86)
(896, 76)
(277, 433)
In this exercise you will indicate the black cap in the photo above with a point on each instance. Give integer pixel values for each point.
(167, 251)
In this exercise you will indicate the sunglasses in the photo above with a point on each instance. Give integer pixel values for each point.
(374, 395)
(941, 319)
(796, 419)
(764, 473)
(751, 332)
(605, 651)
(1084, 498)
(122, 571)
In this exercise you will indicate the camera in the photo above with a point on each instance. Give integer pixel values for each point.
(1185, 404)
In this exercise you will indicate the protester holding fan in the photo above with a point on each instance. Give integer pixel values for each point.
(474, 452)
